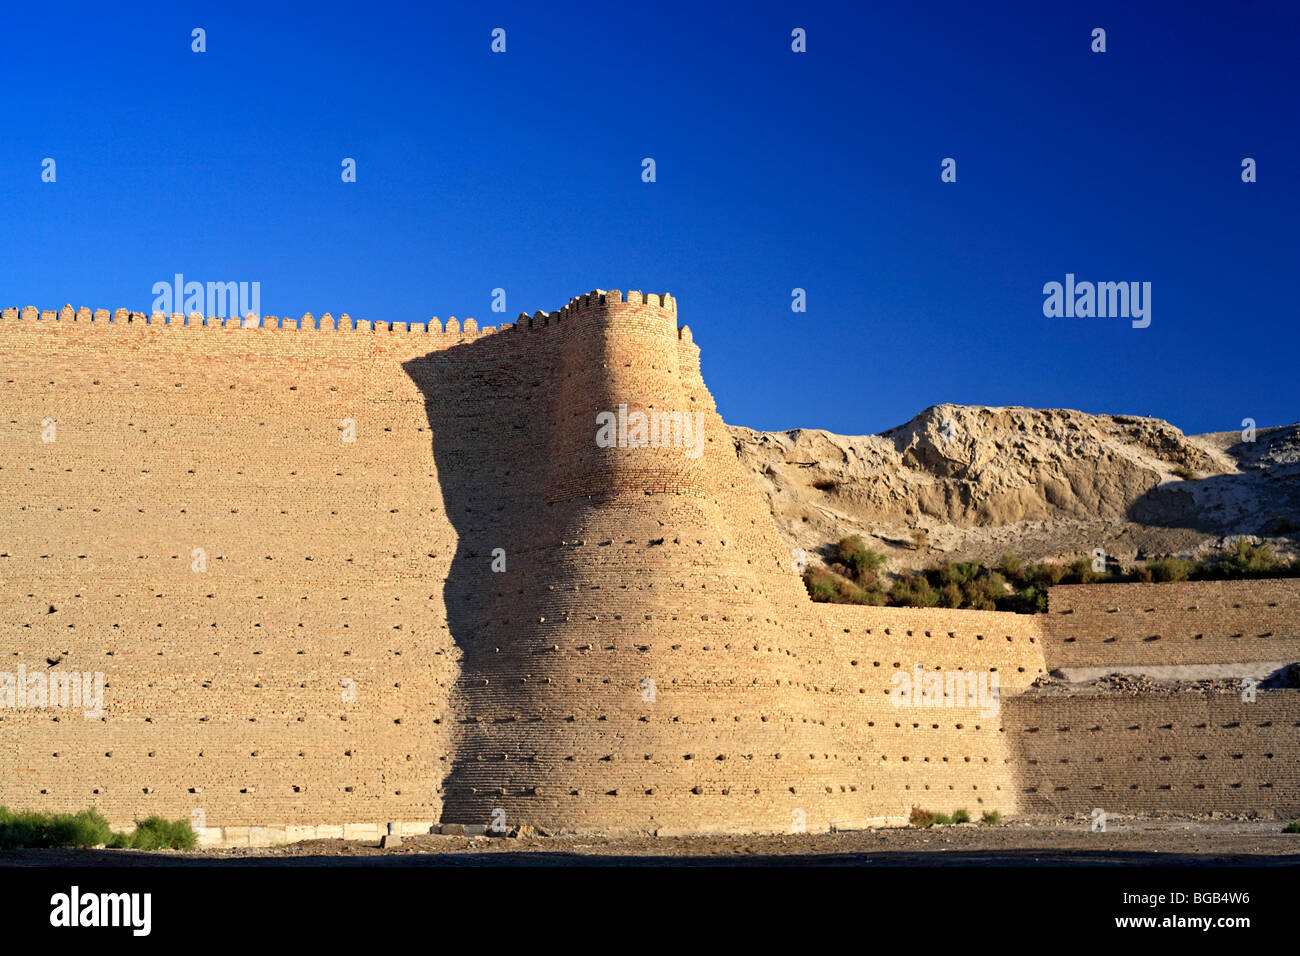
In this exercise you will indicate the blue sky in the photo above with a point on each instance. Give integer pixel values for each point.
(775, 170)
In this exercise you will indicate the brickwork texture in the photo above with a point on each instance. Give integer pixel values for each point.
(337, 573)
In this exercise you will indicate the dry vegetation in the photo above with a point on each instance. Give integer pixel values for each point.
(856, 575)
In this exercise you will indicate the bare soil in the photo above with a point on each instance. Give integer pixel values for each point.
(1284, 677)
(1036, 842)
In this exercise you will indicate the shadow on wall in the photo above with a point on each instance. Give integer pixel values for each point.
(489, 410)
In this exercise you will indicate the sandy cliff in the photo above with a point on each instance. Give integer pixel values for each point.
(983, 481)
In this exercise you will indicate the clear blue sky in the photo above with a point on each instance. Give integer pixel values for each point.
(775, 170)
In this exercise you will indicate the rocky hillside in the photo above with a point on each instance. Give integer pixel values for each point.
(977, 482)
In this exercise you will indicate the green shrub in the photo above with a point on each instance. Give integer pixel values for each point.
(820, 584)
(913, 591)
(1044, 575)
(827, 587)
(873, 596)
(16, 829)
(157, 833)
(850, 593)
(89, 828)
(1081, 572)
(961, 816)
(960, 573)
(991, 817)
(985, 593)
(1292, 827)
(1170, 569)
(33, 829)
(862, 561)
(1012, 567)
(942, 819)
(1029, 601)
(856, 576)
(1246, 560)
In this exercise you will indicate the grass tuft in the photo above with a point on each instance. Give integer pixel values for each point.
(922, 819)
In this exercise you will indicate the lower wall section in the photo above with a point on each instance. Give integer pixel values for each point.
(941, 753)
(278, 835)
(1179, 753)
(261, 709)
(338, 713)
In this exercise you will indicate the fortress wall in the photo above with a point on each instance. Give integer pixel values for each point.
(1172, 753)
(324, 564)
(621, 359)
(1193, 622)
(941, 758)
(655, 664)
(898, 638)
(1051, 752)
(370, 562)
(648, 659)
(1187, 752)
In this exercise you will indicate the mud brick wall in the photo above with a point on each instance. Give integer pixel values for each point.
(647, 659)
(1172, 753)
(364, 567)
(324, 565)
(1194, 622)
(941, 758)
(654, 663)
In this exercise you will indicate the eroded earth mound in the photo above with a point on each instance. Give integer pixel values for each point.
(978, 482)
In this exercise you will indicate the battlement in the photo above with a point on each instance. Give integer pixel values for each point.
(597, 299)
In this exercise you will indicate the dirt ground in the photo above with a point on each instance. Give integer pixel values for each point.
(1062, 842)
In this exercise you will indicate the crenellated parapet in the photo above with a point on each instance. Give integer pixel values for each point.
(102, 318)
(608, 304)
